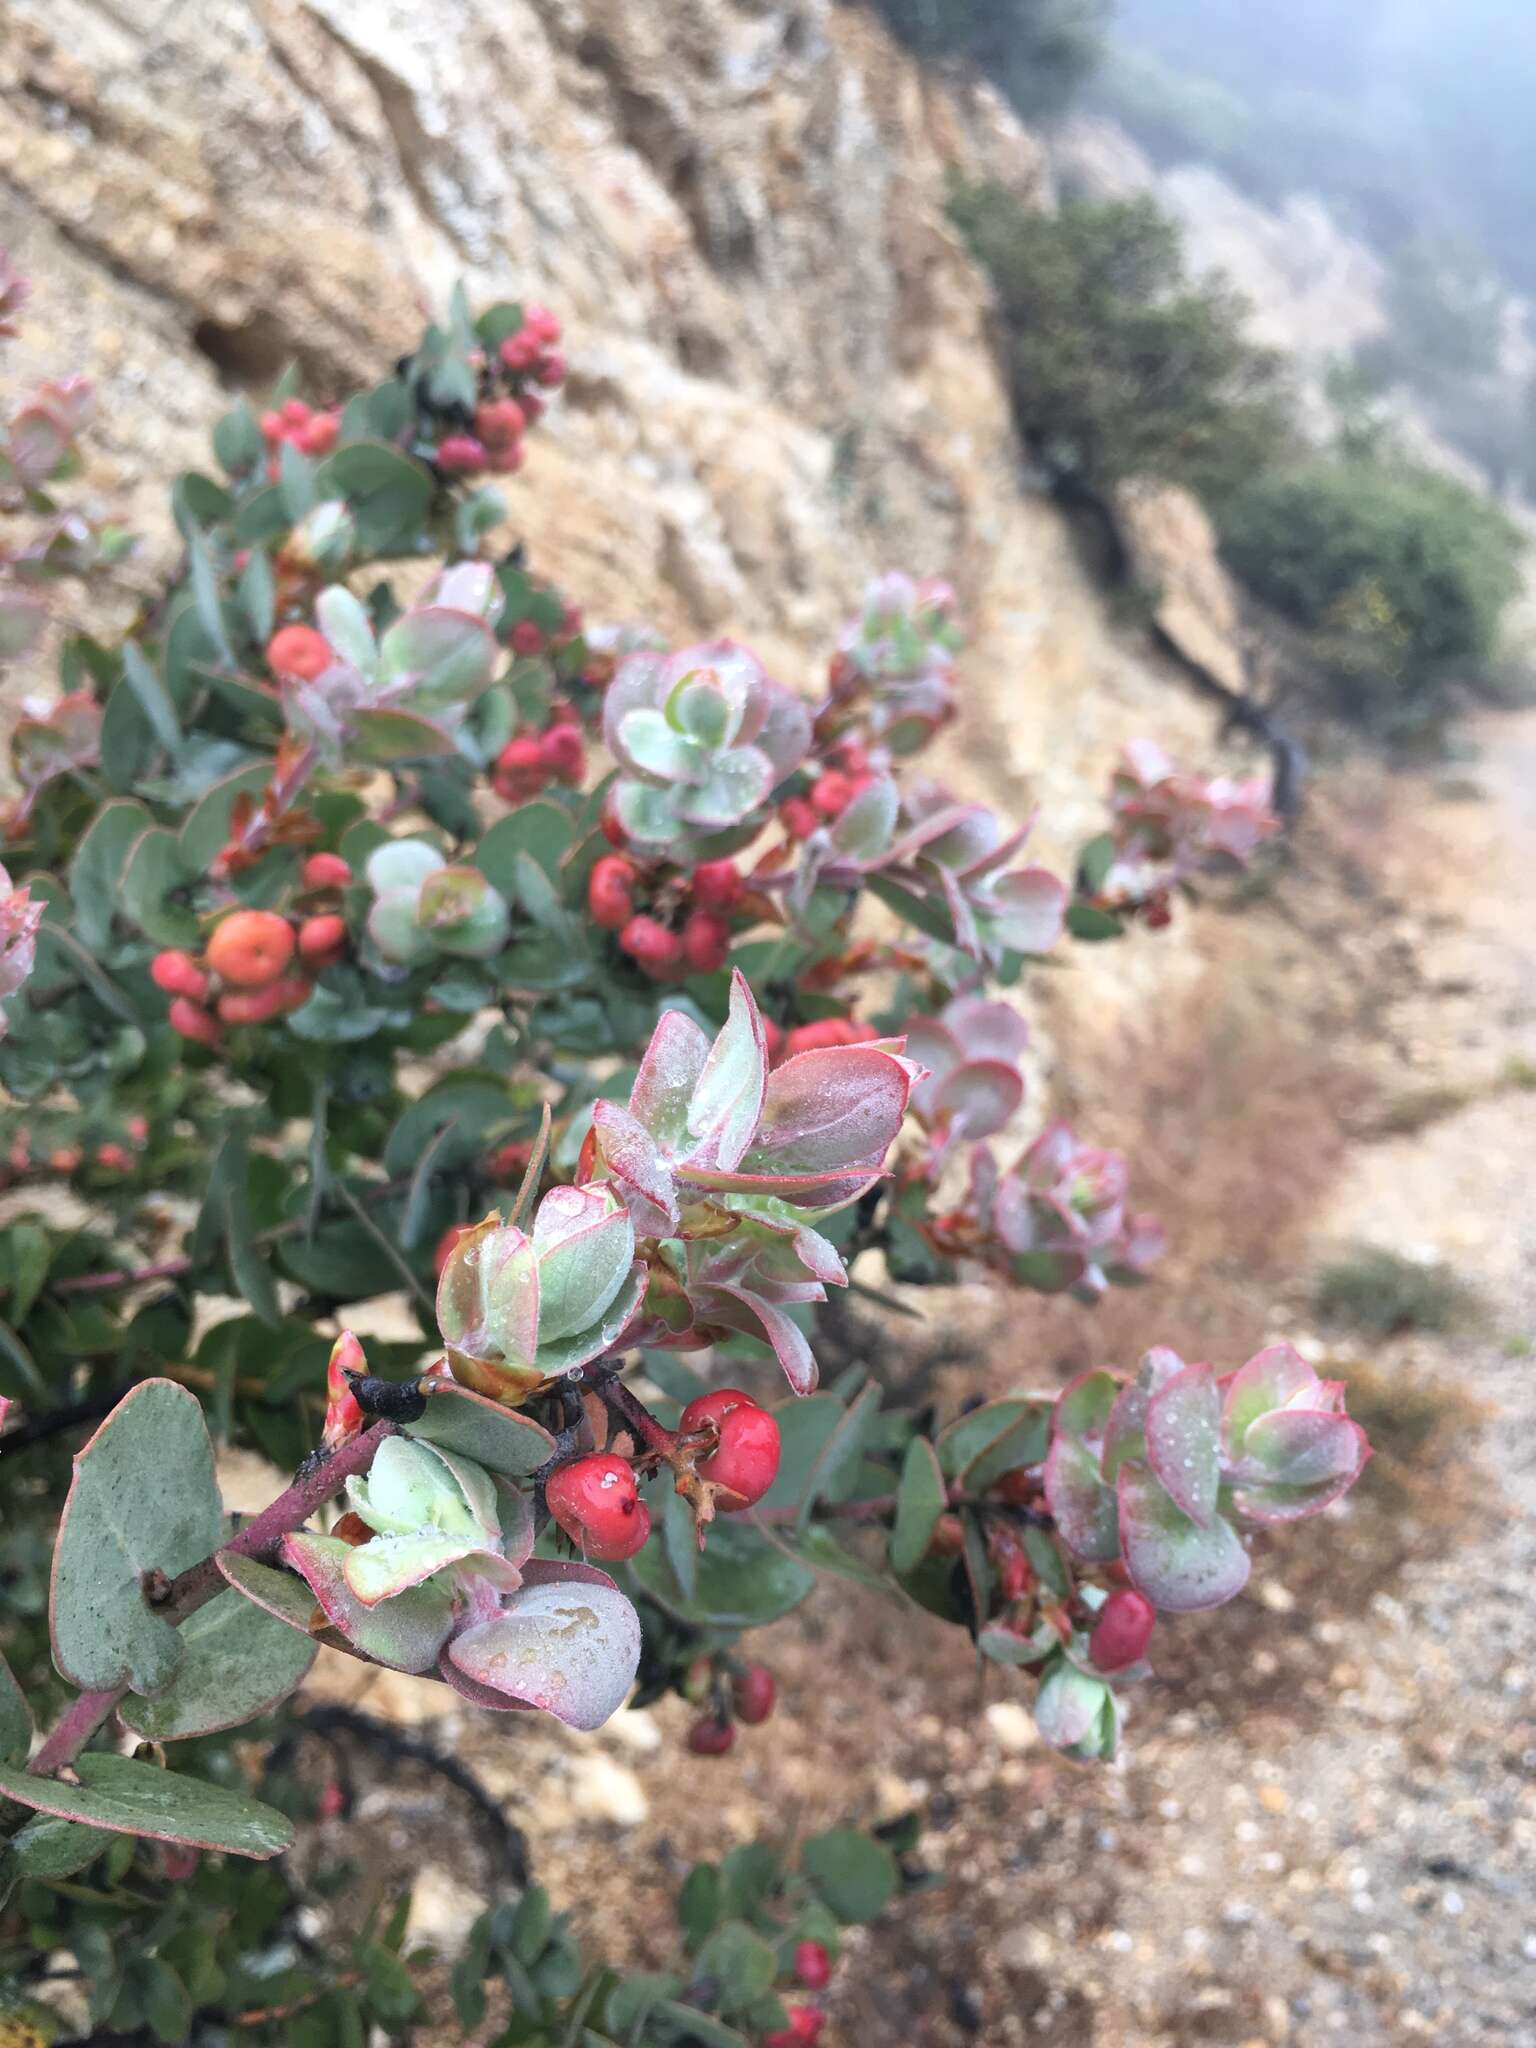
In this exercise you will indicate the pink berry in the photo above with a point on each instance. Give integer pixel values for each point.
(194, 1023)
(608, 892)
(753, 1693)
(798, 818)
(710, 1737)
(526, 638)
(460, 454)
(520, 771)
(503, 458)
(500, 420)
(596, 1503)
(320, 435)
(813, 1965)
(326, 871)
(274, 428)
(745, 1462)
(114, 1158)
(539, 321)
(706, 941)
(831, 793)
(295, 412)
(716, 885)
(550, 371)
(650, 943)
(178, 974)
(565, 753)
(1122, 1631)
(522, 350)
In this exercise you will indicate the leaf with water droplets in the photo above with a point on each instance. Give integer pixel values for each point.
(570, 1648)
(1176, 1563)
(1184, 1440)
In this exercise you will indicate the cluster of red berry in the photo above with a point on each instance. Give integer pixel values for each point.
(687, 930)
(527, 357)
(108, 1156)
(261, 962)
(530, 761)
(311, 430)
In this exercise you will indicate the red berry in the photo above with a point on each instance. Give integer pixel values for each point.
(1122, 1631)
(333, 1801)
(322, 940)
(596, 1503)
(194, 1023)
(657, 950)
(499, 420)
(520, 351)
(258, 1005)
(114, 1158)
(710, 1737)
(460, 454)
(65, 1158)
(804, 2029)
(773, 1038)
(831, 792)
(716, 885)
(274, 428)
(564, 753)
(813, 1965)
(505, 457)
(251, 948)
(295, 412)
(539, 321)
(753, 1692)
(706, 941)
(520, 771)
(611, 829)
(299, 651)
(326, 871)
(533, 405)
(798, 818)
(526, 637)
(745, 1462)
(608, 887)
(550, 371)
(825, 1031)
(320, 435)
(179, 975)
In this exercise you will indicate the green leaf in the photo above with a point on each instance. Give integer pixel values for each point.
(856, 1876)
(837, 1462)
(140, 1799)
(390, 1988)
(97, 868)
(501, 1439)
(740, 1963)
(542, 831)
(205, 595)
(258, 596)
(153, 870)
(237, 440)
(252, 1275)
(15, 1718)
(698, 1903)
(1095, 862)
(143, 1498)
(153, 698)
(205, 833)
(743, 1582)
(804, 1427)
(238, 1662)
(23, 1374)
(167, 2007)
(390, 495)
(296, 482)
(980, 1447)
(478, 1108)
(920, 1500)
(699, 2028)
(48, 1847)
(262, 517)
(31, 1250)
(1087, 921)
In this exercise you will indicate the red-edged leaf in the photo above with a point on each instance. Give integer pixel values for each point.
(1273, 1378)
(1176, 1563)
(1183, 1427)
(1296, 1462)
(570, 1648)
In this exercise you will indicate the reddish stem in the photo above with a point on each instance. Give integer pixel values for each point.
(201, 1582)
(629, 1409)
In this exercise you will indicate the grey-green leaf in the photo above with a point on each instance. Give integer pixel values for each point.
(130, 1798)
(143, 1498)
(920, 1498)
(239, 1662)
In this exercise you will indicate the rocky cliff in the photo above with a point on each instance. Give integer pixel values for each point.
(780, 380)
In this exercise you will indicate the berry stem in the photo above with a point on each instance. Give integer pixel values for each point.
(626, 1406)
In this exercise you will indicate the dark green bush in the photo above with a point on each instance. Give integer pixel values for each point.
(1403, 572)
(1118, 364)
(1037, 52)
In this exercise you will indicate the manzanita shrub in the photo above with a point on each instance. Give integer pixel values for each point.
(374, 929)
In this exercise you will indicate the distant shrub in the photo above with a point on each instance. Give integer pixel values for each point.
(1118, 364)
(1381, 1294)
(1037, 52)
(1404, 573)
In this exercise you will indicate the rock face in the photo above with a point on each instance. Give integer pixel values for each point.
(779, 383)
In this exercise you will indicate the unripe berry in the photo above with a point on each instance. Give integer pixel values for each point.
(299, 651)
(179, 975)
(326, 871)
(698, 1679)
(460, 454)
(706, 941)
(831, 792)
(258, 1005)
(710, 1737)
(564, 753)
(320, 435)
(1122, 1631)
(322, 940)
(716, 885)
(753, 1692)
(656, 949)
(185, 1016)
(813, 1965)
(526, 637)
(745, 1462)
(596, 1503)
(798, 818)
(608, 892)
(251, 948)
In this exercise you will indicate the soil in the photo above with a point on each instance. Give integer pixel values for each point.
(1321, 1826)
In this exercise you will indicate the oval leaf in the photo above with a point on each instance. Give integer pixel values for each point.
(139, 1799)
(1184, 1440)
(1176, 1563)
(572, 1649)
(239, 1663)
